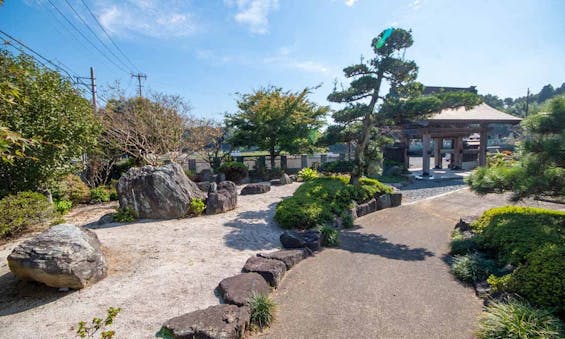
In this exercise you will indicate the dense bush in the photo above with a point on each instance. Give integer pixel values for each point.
(23, 211)
(99, 194)
(461, 244)
(63, 206)
(71, 188)
(341, 166)
(517, 319)
(234, 171)
(307, 174)
(275, 173)
(319, 201)
(262, 310)
(196, 207)
(125, 215)
(472, 267)
(330, 236)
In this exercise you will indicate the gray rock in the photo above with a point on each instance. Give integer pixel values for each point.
(225, 199)
(393, 171)
(65, 256)
(157, 192)
(213, 187)
(206, 175)
(204, 186)
(482, 289)
(395, 199)
(288, 257)
(214, 322)
(220, 177)
(291, 239)
(366, 208)
(107, 218)
(464, 224)
(285, 179)
(294, 177)
(255, 189)
(238, 289)
(310, 239)
(275, 182)
(272, 270)
(383, 202)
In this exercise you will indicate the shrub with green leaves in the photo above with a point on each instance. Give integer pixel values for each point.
(262, 310)
(88, 331)
(341, 166)
(234, 171)
(307, 174)
(99, 194)
(71, 187)
(196, 207)
(473, 267)
(330, 236)
(125, 215)
(461, 244)
(518, 319)
(24, 211)
(63, 206)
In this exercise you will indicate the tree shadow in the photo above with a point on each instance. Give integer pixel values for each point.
(18, 296)
(378, 245)
(254, 230)
(96, 225)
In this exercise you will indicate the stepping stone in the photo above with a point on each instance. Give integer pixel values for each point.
(272, 270)
(238, 289)
(220, 321)
(288, 257)
(255, 189)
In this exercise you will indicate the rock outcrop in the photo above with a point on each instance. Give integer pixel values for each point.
(64, 256)
(157, 192)
(238, 289)
(223, 199)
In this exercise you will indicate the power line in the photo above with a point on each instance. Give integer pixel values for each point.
(84, 37)
(94, 33)
(108, 35)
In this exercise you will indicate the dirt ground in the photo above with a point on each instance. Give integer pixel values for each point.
(157, 270)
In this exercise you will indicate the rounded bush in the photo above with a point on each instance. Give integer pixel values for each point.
(307, 174)
(341, 166)
(234, 171)
(472, 267)
(99, 194)
(196, 207)
(262, 310)
(63, 206)
(22, 211)
(71, 188)
(460, 246)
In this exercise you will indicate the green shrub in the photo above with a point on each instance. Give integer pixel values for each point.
(125, 215)
(88, 331)
(472, 267)
(341, 166)
(112, 191)
(517, 319)
(499, 284)
(275, 173)
(196, 207)
(511, 233)
(346, 219)
(234, 171)
(330, 236)
(307, 174)
(99, 194)
(262, 310)
(23, 211)
(302, 213)
(71, 188)
(459, 246)
(63, 206)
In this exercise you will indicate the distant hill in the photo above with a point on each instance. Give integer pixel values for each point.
(517, 106)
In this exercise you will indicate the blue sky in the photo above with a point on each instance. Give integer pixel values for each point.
(208, 50)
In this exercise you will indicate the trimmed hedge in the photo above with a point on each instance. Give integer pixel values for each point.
(319, 201)
(341, 166)
(22, 211)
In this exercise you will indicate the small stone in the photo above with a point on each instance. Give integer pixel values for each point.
(255, 189)
(204, 186)
(288, 257)
(285, 179)
(310, 239)
(238, 289)
(272, 270)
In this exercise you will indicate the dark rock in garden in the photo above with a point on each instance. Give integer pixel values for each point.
(395, 199)
(157, 192)
(220, 177)
(238, 289)
(255, 189)
(107, 218)
(220, 321)
(225, 199)
(366, 208)
(63, 256)
(297, 239)
(245, 180)
(393, 171)
(383, 202)
(272, 270)
(212, 188)
(464, 224)
(204, 186)
(288, 257)
(294, 177)
(482, 289)
(285, 179)
(275, 182)
(206, 175)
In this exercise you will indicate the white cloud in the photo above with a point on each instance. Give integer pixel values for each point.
(254, 13)
(350, 3)
(416, 4)
(159, 19)
(285, 59)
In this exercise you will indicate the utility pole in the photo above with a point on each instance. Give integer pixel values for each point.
(139, 76)
(93, 88)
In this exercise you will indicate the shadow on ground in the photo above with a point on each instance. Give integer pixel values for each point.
(378, 245)
(254, 230)
(18, 296)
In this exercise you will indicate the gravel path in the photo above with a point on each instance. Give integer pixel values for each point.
(157, 270)
(421, 189)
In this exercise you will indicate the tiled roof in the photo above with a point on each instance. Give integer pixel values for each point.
(479, 113)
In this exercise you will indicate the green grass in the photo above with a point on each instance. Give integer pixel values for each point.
(262, 310)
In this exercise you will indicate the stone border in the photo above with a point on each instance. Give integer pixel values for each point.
(376, 204)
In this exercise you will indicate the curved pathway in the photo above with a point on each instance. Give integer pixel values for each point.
(389, 279)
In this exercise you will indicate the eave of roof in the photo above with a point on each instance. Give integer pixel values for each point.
(482, 113)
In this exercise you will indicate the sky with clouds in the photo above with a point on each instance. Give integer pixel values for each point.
(207, 51)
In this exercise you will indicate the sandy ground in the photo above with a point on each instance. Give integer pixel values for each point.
(157, 270)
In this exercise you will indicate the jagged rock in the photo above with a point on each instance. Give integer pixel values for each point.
(285, 179)
(383, 202)
(157, 192)
(272, 270)
(310, 239)
(395, 199)
(255, 189)
(64, 256)
(220, 321)
(213, 187)
(204, 186)
(225, 199)
(464, 224)
(288, 257)
(238, 289)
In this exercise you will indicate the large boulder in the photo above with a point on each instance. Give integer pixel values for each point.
(272, 270)
(310, 239)
(285, 179)
(238, 289)
(64, 256)
(157, 192)
(215, 322)
(288, 257)
(223, 199)
(256, 189)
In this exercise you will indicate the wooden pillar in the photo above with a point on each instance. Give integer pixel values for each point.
(303, 161)
(438, 142)
(284, 162)
(483, 146)
(426, 154)
(458, 152)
